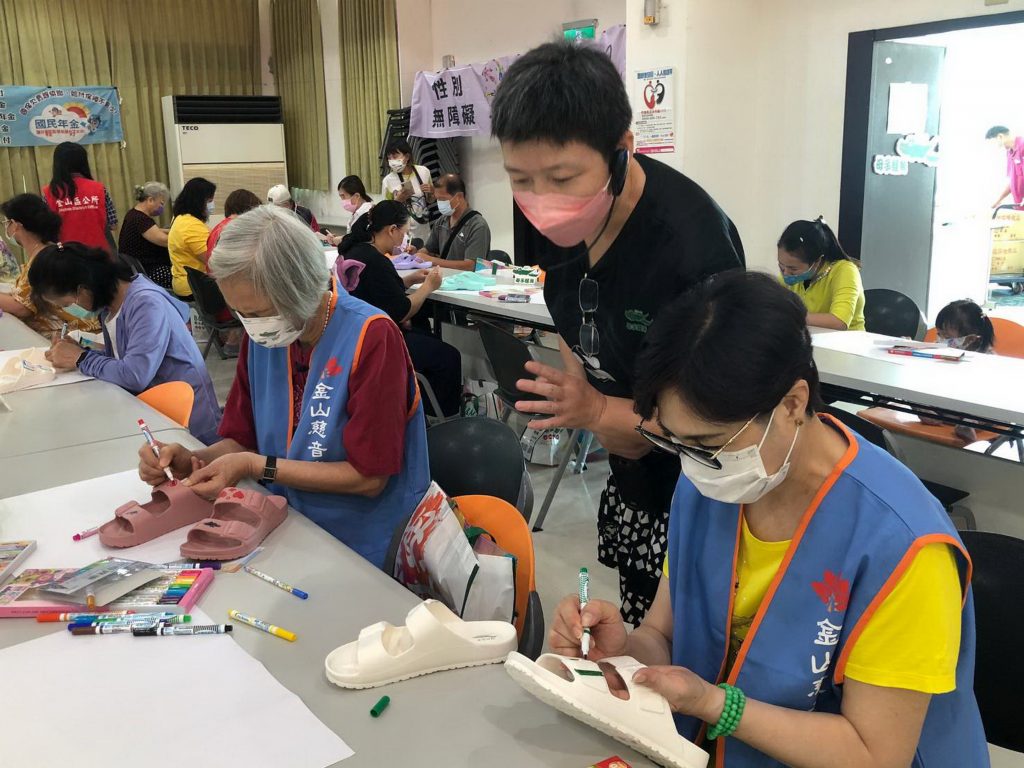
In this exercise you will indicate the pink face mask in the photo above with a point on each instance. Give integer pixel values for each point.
(565, 220)
(349, 205)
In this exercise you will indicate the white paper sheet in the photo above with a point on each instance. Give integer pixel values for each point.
(54, 515)
(63, 377)
(157, 701)
(908, 108)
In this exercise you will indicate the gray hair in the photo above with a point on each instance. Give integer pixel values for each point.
(152, 189)
(274, 250)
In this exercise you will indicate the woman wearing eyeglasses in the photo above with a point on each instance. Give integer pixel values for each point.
(809, 574)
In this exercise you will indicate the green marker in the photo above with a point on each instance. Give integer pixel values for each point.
(380, 706)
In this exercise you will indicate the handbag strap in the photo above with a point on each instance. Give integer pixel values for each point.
(458, 228)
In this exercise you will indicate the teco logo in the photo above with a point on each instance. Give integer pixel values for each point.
(189, 128)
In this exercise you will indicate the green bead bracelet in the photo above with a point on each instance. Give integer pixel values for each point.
(735, 701)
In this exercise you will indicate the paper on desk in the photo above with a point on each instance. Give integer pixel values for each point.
(54, 515)
(63, 377)
(160, 701)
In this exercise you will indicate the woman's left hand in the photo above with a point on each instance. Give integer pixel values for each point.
(571, 401)
(686, 692)
(223, 472)
(64, 354)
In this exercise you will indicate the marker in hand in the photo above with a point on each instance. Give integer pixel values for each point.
(584, 599)
(152, 444)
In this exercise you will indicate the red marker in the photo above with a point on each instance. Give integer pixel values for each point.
(152, 444)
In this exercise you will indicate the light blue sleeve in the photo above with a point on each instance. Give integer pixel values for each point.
(146, 330)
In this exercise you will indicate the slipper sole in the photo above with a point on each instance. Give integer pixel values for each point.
(360, 686)
(551, 696)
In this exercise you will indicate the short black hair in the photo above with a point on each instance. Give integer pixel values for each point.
(452, 183)
(32, 212)
(731, 348)
(386, 213)
(996, 130)
(69, 158)
(965, 318)
(64, 268)
(353, 185)
(562, 92)
(241, 201)
(398, 146)
(192, 198)
(810, 240)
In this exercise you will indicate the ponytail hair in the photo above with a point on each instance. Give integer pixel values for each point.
(965, 318)
(386, 213)
(813, 240)
(353, 185)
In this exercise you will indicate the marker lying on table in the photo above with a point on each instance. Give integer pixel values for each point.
(102, 629)
(86, 533)
(272, 629)
(49, 617)
(152, 444)
(180, 629)
(136, 620)
(584, 599)
(182, 565)
(279, 584)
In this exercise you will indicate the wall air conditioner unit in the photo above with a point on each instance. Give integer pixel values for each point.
(237, 142)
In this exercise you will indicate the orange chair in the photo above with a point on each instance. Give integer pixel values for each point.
(1009, 337)
(173, 399)
(512, 533)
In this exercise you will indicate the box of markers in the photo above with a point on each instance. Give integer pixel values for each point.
(175, 591)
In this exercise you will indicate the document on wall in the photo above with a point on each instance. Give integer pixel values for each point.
(908, 108)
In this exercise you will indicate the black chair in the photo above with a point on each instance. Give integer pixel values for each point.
(209, 302)
(480, 456)
(135, 264)
(890, 313)
(998, 671)
(950, 498)
(501, 256)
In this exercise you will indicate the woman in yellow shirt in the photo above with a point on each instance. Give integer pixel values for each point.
(817, 269)
(186, 242)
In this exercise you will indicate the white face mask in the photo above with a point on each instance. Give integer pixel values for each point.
(270, 331)
(396, 165)
(742, 478)
(210, 207)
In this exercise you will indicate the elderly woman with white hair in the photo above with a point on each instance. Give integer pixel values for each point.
(324, 408)
(142, 238)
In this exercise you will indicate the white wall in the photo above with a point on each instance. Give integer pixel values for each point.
(415, 43)
(476, 31)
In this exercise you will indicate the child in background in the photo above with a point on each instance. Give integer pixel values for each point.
(964, 325)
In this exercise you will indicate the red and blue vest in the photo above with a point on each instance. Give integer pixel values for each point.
(857, 538)
(365, 524)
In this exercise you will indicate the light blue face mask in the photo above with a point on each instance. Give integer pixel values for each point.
(210, 207)
(794, 279)
(444, 207)
(76, 310)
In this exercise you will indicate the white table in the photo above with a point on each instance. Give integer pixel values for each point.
(472, 717)
(988, 387)
(14, 334)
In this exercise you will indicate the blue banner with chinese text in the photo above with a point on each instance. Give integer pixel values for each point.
(31, 116)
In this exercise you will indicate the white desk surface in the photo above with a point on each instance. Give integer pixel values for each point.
(987, 386)
(471, 717)
(14, 334)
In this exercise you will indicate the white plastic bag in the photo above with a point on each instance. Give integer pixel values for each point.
(544, 446)
(26, 368)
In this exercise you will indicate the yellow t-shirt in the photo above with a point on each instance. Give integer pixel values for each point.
(186, 244)
(837, 291)
(912, 641)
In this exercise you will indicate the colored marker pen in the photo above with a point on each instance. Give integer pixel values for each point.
(584, 599)
(86, 533)
(277, 583)
(181, 629)
(272, 629)
(50, 617)
(152, 444)
(102, 629)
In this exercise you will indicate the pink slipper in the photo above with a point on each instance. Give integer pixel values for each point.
(241, 520)
(173, 506)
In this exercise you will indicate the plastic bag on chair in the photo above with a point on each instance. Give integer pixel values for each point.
(544, 446)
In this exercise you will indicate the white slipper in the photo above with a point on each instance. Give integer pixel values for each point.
(433, 639)
(578, 688)
(26, 368)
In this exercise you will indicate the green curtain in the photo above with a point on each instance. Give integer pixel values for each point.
(146, 51)
(299, 75)
(369, 81)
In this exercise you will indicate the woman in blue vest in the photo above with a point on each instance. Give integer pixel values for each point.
(816, 608)
(324, 408)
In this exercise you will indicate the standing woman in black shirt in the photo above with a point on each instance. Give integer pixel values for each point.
(620, 236)
(370, 239)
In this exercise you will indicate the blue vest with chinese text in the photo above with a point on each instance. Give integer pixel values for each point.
(365, 524)
(871, 517)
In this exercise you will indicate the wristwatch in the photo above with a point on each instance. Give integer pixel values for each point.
(270, 470)
(81, 357)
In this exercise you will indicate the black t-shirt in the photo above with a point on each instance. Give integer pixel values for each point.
(379, 283)
(675, 237)
(131, 241)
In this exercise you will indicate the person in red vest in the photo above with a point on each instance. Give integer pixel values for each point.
(87, 213)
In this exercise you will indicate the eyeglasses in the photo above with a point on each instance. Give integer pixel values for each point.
(703, 456)
(590, 338)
